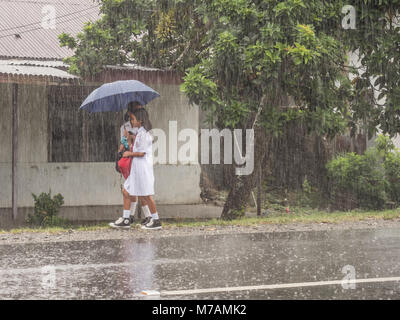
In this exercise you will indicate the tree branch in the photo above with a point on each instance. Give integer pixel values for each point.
(180, 58)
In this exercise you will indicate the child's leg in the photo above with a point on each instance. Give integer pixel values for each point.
(152, 206)
(143, 202)
(154, 223)
(133, 205)
(124, 222)
(127, 199)
(145, 207)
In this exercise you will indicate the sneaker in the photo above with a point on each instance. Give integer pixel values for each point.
(152, 225)
(121, 223)
(144, 221)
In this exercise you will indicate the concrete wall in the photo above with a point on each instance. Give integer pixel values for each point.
(173, 106)
(5, 145)
(87, 184)
(91, 184)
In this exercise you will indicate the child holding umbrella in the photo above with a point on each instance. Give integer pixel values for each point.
(140, 182)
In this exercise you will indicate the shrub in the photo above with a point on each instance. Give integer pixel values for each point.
(392, 171)
(305, 199)
(384, 145)
(358, 180)
(46, 209)
(367, 180)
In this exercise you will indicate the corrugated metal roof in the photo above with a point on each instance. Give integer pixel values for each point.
(44, 71)
(131, 66)
(16, 69)
(23, 36)
(39, 63)
(61, 65)
(35, 71)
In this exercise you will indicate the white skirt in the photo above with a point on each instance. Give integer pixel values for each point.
(141, 179)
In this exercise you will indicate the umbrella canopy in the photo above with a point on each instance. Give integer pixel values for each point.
(115, 96)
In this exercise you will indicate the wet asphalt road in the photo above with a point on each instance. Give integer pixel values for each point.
(121, 269)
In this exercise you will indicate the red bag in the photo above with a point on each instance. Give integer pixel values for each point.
(125, 164)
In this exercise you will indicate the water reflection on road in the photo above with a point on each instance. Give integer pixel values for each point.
(121, 269)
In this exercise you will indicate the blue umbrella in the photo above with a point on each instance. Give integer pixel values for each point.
(115, 96)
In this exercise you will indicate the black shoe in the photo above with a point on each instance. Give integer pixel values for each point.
(153, 225)
(121, 223)
(144, 221)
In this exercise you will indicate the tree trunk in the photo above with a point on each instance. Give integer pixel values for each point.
(242, 185)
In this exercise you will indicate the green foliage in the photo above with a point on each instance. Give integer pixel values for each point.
(240, 55)
(391, 163)
(262, 52)
(361, 177)
(392, 170)
(46, 209)
(372, 178)
(275, 61)
(377, 38)
(157, 33)
(305, 200)
(236, 214)
(384, 144)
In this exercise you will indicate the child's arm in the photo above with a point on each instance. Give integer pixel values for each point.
(141, 146)
(131, 141)
(125, 140)
(128, 154)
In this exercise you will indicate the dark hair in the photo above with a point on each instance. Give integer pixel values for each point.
(126, 116)
(142, 116)
(132, 106)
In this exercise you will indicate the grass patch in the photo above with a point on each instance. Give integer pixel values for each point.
(297, 215)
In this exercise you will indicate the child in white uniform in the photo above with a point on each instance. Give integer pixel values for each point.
(129, 133)
(140, 182)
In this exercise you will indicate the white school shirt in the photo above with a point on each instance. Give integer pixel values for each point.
(141, 179)
(144, 143)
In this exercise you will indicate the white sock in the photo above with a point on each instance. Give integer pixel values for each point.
(155, 216)
(146, 211)
(126, 214)
(133, 208)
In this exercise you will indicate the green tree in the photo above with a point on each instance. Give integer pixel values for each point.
(259, 63)
(377, 41)
(164, 34)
